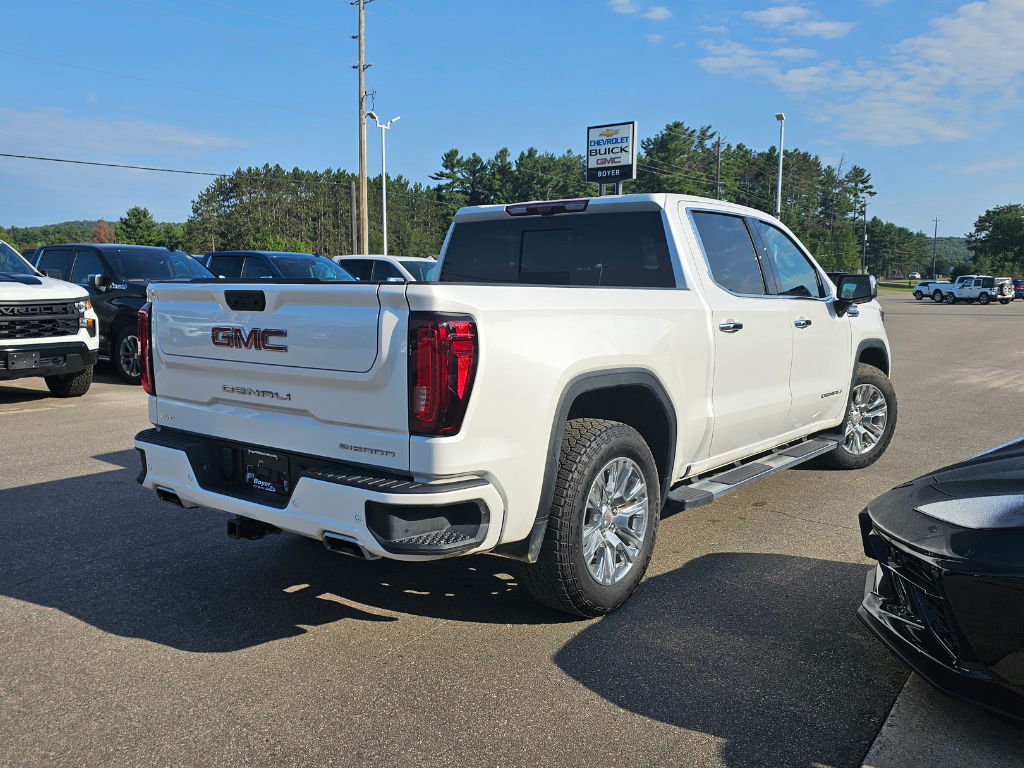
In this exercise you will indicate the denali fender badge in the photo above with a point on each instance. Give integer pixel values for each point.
(829, 394)
(254, 392)
(361, 449)
(257, 338)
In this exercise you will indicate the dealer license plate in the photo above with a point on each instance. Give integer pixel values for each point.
(266, 471)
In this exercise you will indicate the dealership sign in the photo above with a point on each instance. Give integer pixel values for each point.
(611, 153)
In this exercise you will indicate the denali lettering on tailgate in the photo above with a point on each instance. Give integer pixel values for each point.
(257, 338)
(254, 392)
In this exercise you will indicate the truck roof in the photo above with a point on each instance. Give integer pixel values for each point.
(609, 203)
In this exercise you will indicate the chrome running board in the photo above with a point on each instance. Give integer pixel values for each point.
(711, 487)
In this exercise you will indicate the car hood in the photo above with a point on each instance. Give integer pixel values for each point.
(30, 288)
(989, 532)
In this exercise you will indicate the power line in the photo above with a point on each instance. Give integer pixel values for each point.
(110, 165)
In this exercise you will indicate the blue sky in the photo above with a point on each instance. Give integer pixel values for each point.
(923, 94)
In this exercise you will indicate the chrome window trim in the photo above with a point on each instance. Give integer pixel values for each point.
(700, 243)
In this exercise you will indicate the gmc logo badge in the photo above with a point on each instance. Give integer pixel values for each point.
(257, 338)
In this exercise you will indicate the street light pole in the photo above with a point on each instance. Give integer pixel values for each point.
(935, 245)
(383, 172)
(778, 189)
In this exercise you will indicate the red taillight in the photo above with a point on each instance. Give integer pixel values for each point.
(442, 361)
(146, 347)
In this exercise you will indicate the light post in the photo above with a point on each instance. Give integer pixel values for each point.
(778, 189)
(383, 172)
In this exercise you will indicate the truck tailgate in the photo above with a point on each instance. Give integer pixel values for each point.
(320, 370)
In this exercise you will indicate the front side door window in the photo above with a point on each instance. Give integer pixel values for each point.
(752, 337)
(797, 276)
(86, 263)
(255, 266)
(56, 259)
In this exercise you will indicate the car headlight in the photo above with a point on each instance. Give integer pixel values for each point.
(979, 512)
(82, 306)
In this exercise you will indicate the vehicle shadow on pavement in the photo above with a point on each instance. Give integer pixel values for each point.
(102, 549)
(764, 651)
(11, 392)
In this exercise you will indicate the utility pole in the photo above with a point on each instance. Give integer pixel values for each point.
(778, 191)
(864, 246)
(935, 245)
(718, 176)
(362, 66)
(355, 233)
(383, 172)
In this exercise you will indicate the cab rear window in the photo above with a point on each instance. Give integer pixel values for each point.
(608, 249)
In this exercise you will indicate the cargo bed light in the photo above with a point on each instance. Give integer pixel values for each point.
(547, 208)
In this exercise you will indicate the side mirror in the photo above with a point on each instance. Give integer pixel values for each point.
(854, 289)
(99, 282)
(55, 274)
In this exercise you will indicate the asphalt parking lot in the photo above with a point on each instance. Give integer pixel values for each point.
(133, 632)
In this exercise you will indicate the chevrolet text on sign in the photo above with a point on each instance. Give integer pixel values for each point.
(611, 153)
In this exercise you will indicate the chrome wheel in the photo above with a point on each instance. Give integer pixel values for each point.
(615, 520)
(128, 353)
(865, 423)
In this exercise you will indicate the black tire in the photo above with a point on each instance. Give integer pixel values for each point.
(130, 375)
(1004, 301)
(950, 298)
(937, 297)
(840, 458)
(918, 295)
(70, 385)
(560, 577)
(983, 299)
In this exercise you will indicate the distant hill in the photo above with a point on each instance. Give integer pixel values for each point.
(49, 234)
(953, 248)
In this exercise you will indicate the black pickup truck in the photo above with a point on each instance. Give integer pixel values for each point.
(116, 277)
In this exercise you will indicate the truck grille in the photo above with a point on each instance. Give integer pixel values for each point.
(38, 321)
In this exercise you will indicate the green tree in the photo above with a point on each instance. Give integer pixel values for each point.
(137, 227)
(997, 241)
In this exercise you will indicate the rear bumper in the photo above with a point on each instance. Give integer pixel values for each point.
(389, 516)
(54, 359)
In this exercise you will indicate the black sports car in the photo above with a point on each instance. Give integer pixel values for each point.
(947, 595)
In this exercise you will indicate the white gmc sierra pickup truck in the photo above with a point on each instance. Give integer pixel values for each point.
(47, 328)
(578, 366)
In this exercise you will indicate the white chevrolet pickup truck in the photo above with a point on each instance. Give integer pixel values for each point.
(577, 367)
(47, 328)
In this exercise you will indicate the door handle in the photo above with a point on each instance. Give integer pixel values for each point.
(730, 327)
(802, 323)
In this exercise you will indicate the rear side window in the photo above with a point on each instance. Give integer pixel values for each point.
(627, 250)
(730, 252)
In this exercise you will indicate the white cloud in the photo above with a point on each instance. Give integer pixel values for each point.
(794, 53)
(825, 29)
(623, 6)
(990, 167)
(800, 21)
(53, 131)
(780, 14)
(948, 83)
(680, 44)
(721, 30)
(658, 13)
(655, 38)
